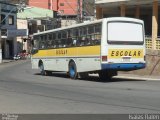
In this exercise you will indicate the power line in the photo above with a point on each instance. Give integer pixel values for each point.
(79, 11)
(88, 7)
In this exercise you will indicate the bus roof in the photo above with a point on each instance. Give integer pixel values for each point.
(68, 27)
(89, 23)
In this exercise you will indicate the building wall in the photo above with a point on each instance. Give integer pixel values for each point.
(65, 23)
(39, 3)
(15, 1)
(8, 43)
(66, 7)
(54, 5)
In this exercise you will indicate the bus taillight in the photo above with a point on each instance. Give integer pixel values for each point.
(104, 58)
(144, 58)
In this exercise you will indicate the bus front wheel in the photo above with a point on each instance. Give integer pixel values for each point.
(41, 67)
(44, 72)
(72, 70)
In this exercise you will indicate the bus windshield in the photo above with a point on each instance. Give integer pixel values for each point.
(120, 32)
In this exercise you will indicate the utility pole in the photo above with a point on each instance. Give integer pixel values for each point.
(79, 11)
(82, 10)
(0, 37)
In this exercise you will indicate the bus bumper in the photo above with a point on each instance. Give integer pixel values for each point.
(123, 66)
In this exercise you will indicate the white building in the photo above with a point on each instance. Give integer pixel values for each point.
(22, 44)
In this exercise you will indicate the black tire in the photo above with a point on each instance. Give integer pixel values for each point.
(83, 75)
(72, 70)
(104, 76)
(48, 73)
(42, 71)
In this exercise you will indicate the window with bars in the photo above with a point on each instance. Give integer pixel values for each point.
(11, 20)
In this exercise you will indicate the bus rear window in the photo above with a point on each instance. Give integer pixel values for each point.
(125, 33)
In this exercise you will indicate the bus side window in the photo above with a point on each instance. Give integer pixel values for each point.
(90, 35)
(45, 41)
(49, 40)
(42, 44)
(64, 39)
(75, 36)
(82, 42)
(83, 34)
(69, 38)
(54, 40)
(97, 34)
(79, 37)
(58, 41)
(36, 42)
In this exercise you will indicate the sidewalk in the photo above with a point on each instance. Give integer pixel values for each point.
(6, 61)
(138, 77)
(135, 77)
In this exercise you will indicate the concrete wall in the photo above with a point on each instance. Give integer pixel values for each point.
(65, 23)
(153, 64)
(39, 3)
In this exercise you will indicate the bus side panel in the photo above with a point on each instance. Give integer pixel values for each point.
(65, 55)
(88, 58)
(88, 64)
(49, 64)
(55, 60)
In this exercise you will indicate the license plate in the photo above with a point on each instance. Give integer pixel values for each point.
(126, 59)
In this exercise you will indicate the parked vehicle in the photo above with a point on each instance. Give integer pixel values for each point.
(17, 57)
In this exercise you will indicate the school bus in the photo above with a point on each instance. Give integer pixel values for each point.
(103, 46)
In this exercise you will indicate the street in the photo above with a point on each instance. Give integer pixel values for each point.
(23, 90)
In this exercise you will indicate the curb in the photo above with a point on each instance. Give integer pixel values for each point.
(135, 77)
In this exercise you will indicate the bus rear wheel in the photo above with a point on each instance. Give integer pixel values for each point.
(48, 73)
(105, 76)
(72, 70)
(83, 75)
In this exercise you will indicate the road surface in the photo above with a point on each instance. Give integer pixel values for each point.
(23, 90)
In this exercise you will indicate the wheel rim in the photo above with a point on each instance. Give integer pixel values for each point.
(72, 71)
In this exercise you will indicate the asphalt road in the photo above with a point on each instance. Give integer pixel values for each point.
(23, 90)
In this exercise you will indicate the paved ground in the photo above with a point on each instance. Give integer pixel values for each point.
(23, 90)
(120, 75)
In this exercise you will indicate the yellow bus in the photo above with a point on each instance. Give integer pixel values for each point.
(103, 46)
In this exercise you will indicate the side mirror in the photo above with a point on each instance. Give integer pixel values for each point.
(34, 50)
